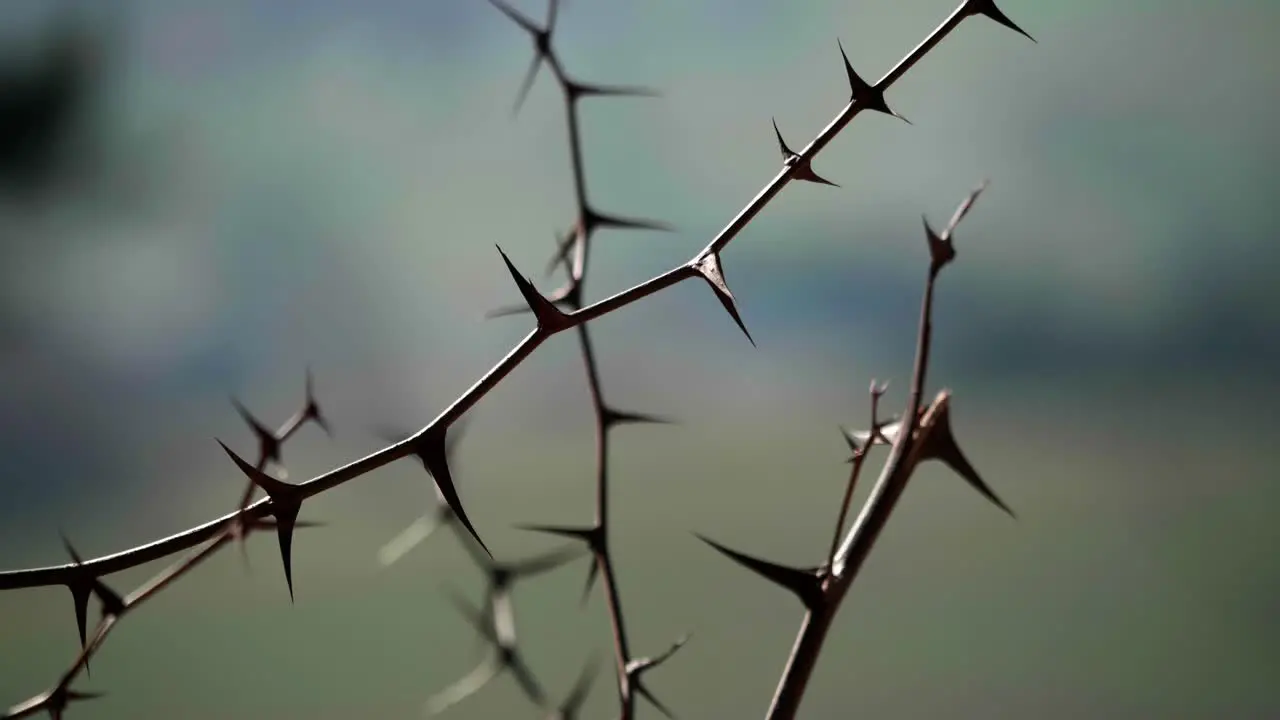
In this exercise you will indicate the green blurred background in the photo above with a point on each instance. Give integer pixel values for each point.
(259, 186)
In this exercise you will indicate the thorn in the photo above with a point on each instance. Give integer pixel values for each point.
(518, 18)
(268, 443)
(271, 486)
(963, 209)
(791, 158)
(788, 155)
(593, 220)
(502, 636)
(594, 538)
(111, 604)
(432, 449)
(539, 564)
(53, 701)
(941, 251)
(541, 44)
(527, 83)
(565, 245)
(593, 574)
(285, 505)
(637, 667)
(804, 583)
(941, 445)
(286, 520)
(860, 90)
(860, 440)
(612, 417)
(709, 267)
(567, 294)
(577, 90)
(648, 695)
(311, 411)
(550, 318)
(988, 8)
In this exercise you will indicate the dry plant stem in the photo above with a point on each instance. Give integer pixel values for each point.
(705, 264)
(906, 453)
(579, 241)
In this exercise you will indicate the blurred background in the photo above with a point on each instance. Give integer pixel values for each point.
(200, 200)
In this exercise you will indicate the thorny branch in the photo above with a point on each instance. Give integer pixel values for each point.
(923, 433)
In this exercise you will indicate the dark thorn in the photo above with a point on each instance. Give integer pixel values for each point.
(940, 250)
(525, 85)
(268, 443)
(549, 317)
(80, 598)
(788, 155)
(593, 573)
(709, 268)
(988, 8)
(564, 247)
(593, 536)
(517, 17)
(271, 486)
(111, 604)
(790, 158)
(473, 615)
(286, 515)
(528, 683)
(544, 563)
(807, 174)
(859, 89)
(653, 700)
(432, 449)
(578, 90)
(804, 583)
(593, 220)
(567, 294)
(312, 410)
(285, 505)
(612, 417)
(941, 445)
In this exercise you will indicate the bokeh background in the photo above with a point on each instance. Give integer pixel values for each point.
(225, 193)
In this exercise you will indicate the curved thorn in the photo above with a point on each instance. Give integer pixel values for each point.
(989, 9)
(941, 445)
(709, 268)
(549, 317)
(431, 448)
(804, 583)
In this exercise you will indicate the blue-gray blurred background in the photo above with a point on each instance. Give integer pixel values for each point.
(221, 194)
